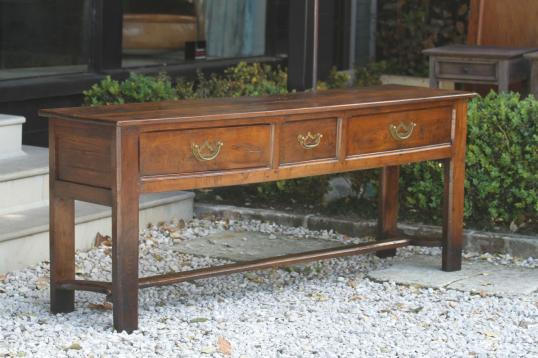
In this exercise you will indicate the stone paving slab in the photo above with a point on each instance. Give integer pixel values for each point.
(417, 270)
(475, 276)
(246, 246)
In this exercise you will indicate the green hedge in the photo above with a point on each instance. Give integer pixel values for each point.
(241, 80)
(502, 152)
(502, 160)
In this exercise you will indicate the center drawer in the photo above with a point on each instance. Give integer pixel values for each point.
(200, 150)
(307, 140)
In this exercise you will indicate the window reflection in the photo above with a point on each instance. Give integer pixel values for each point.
(159, 32)
(40, 38)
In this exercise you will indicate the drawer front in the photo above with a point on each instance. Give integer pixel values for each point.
(302, 141)
(473, 70)
(399, 130)
(200, 150)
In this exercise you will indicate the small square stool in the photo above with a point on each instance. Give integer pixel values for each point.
(491, 65)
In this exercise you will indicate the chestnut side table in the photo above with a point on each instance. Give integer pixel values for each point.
(110, 155)
(491, 65)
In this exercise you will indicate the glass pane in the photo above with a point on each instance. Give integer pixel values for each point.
(157, 32)
(40, 38)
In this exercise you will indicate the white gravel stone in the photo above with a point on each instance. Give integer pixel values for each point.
(324, 309)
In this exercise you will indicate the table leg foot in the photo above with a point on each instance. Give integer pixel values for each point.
(386, 253)
(62, 301)
(451, 264)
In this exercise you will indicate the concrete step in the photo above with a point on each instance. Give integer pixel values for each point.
(24, 180)
(24, 234)
(10, 135)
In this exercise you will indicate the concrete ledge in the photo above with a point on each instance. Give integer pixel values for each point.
(10, 135)
(414, 81)
(9, 120)
(34, 221)
(475, 241)
(24, 180)
(35, 161)
(24, 236)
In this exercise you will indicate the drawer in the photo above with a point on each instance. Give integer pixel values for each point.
(306, 140)
(467, 70)
(398, 130)
(200, 150)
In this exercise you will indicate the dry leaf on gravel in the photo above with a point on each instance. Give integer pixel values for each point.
(318, 296)
(104, 240)
(416, 310)
(105, 306)
(208, 350)
(199, 320)
(224, 346)
(176, 235)
(74, 346)
(3, 278)
(254, 278)
(42, 283)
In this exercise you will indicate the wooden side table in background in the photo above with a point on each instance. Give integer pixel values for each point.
(492, 65)
(532, 57)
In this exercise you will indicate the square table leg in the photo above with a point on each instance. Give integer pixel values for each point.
(62, 252)
(388, 206)
(125, 233)
(453, 201)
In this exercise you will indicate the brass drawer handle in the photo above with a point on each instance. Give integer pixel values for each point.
(402, 131)
(207, 151)
(310, 140)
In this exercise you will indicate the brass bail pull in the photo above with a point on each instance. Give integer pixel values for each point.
(207, 151)
(309, 140)
(402, 131)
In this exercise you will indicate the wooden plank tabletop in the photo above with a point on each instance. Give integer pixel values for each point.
(494, 52)
(245, 107)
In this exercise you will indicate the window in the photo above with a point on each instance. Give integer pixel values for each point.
(161, 32)
(55, 37)
(41, 38)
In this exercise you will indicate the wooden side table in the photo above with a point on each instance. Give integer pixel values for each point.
(532, 57)
(491, 65)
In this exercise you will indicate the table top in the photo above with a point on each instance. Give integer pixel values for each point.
(493, 52)
(252, 107)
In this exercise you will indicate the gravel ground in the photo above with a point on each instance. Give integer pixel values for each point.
(324, 309)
